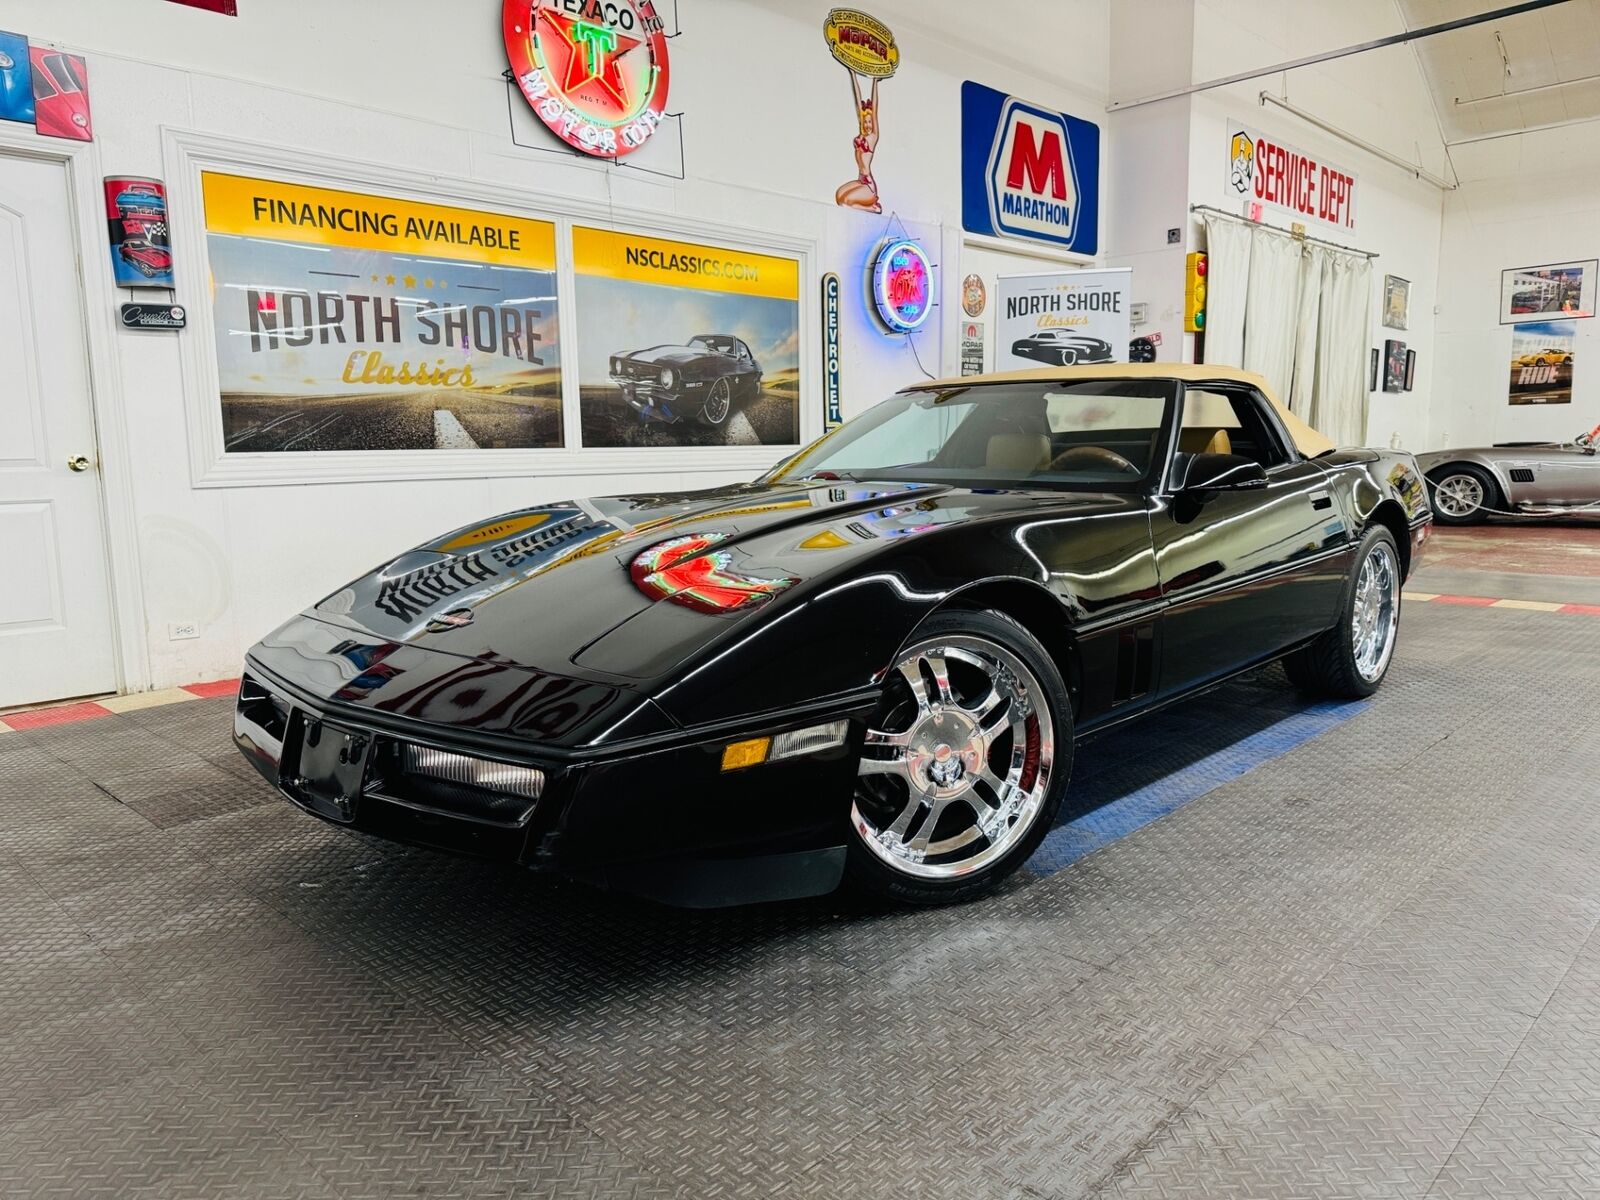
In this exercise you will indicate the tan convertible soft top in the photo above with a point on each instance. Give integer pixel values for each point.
(1306, 439)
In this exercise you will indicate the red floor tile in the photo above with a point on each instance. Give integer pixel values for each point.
(37, 718)
(1592, 610)
(218, 687)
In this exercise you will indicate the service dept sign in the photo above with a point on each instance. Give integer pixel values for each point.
(1028, 171)
(595, 71)
(1268, 173)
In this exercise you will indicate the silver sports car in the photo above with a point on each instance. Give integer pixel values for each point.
(1514, 477)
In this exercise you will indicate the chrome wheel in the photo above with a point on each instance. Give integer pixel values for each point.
(718, 403)
(958, 772)
(1459, 495)
(1376, 611)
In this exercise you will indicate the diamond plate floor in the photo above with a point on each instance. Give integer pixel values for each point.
(1365, 968)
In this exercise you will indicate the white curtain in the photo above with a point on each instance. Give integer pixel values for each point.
(1296, 313)
(1273, 306)
(1339, 400)
(1227, 287)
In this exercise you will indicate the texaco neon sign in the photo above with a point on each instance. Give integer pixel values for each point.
(594, 71)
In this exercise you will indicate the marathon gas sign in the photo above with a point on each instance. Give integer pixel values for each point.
(1266, 172)
(1028, 171)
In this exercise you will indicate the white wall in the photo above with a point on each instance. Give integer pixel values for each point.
(767, 130)
(1379, 96)
(1524, 200)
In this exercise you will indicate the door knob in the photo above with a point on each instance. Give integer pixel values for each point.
(78, 462)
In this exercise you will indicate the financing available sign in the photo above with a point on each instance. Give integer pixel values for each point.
(1028, 171)
(1268, 173)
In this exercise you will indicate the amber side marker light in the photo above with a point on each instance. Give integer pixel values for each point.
(737, 755)
(811, 740)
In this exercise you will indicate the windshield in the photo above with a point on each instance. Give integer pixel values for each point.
(722, 345)
(1101, 434)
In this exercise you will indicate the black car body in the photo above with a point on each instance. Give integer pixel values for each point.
(701, 381)
(627, 650)
(1063, 348)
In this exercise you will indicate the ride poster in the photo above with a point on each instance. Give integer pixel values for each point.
(354, 322)
(1063, 319)
(683, 344)
(136, 218)
(1541, 362)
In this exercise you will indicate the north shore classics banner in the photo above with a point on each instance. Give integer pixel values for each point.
(355, 322)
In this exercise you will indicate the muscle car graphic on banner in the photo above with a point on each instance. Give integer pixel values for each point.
(685, 345)
(354, 322)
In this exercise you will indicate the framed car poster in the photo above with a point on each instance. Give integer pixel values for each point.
(1066, 318)
(684, 344)
(1554, 290)
(363, 322)
(1541, 362)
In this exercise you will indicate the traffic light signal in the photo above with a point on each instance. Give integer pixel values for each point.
(1194, 293)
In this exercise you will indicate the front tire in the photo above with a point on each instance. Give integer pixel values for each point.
(965, 765)
(1350, 660)
(1069, 358)
(1462, 494)
(719, 403)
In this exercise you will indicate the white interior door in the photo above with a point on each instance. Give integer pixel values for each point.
(55, 607)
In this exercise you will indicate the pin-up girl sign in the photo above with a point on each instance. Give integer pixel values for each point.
(866, 48)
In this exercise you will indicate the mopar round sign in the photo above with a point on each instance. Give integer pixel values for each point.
(595, 71)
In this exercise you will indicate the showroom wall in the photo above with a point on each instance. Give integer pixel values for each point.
(766, 133)
(1397, 216)
(1524, 200)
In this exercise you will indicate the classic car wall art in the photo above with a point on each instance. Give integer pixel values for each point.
(702, 380)
(148, 260)
(1062, 348)
(1514, 477)
(871, 663)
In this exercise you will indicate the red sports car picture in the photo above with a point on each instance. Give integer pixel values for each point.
(60, 94)
(148, 260)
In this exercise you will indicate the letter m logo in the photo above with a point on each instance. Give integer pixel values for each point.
(1032, 179)
(1038, 162)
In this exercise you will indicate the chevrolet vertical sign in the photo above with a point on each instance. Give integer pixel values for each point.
(1028, 172)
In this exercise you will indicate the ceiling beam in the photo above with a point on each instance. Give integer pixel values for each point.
(1397, 39)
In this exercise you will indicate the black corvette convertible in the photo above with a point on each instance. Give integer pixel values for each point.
(872, 662)
(702, 380)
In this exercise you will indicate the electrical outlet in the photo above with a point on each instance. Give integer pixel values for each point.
(177, 631)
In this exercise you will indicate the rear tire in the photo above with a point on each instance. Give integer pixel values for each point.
(965, 765)
(1462, 493)
(1350, 660)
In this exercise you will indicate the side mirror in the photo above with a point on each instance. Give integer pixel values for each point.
(1217, 473)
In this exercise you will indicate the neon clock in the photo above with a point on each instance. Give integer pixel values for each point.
(595, 73)
(902, 285)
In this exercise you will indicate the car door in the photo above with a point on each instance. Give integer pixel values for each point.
(1560, 475)
(1245, 574)
(748, 377)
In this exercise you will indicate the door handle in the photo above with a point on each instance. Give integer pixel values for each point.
(78, 462)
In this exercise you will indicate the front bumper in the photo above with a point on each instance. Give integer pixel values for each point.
(661, 819)
(656, 403)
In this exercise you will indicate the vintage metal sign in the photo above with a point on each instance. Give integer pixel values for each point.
(1028, 171)
(832, 414)
(595, 71)
(1266, 172)
(154, 316)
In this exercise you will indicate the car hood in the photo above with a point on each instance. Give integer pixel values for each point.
(667, 355)
(541, 587)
